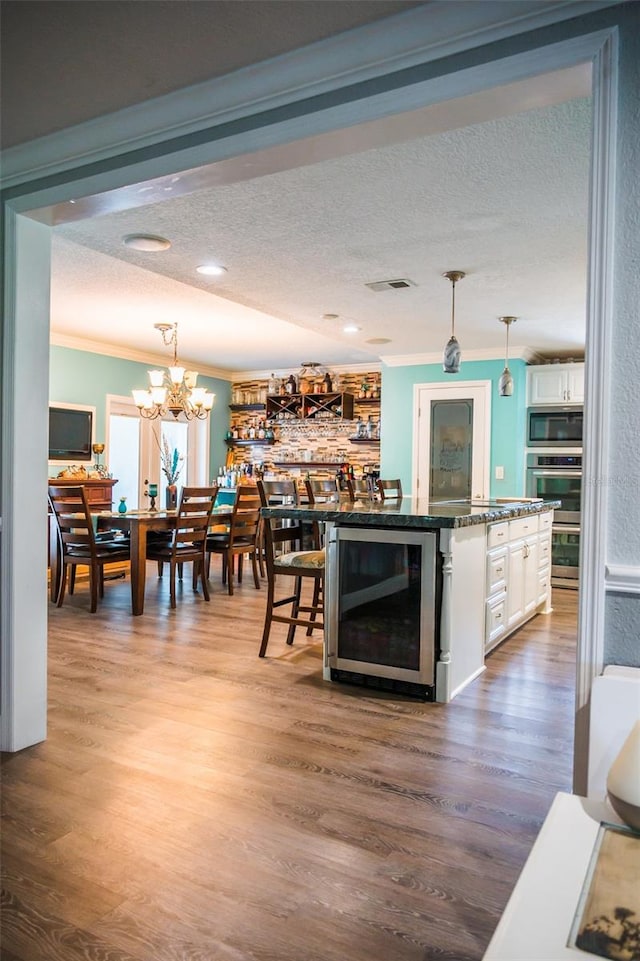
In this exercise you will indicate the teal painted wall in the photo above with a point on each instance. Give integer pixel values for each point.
(508, 420)
(81, 377)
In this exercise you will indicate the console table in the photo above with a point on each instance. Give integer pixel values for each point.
(537, 920)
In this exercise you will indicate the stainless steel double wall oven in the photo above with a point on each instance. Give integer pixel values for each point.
(554, 472)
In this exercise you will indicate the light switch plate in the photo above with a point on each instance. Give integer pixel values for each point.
(499, 473)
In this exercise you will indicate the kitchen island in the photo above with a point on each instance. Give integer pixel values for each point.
(417, 593)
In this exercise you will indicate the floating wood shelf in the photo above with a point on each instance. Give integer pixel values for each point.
(308, 463)
(263, 441)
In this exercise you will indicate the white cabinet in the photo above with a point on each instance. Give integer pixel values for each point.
(552, 384)
(522, 594)
(518, 570)
(515, 593)
(496, 596)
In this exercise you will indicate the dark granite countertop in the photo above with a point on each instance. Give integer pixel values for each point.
(414, 512)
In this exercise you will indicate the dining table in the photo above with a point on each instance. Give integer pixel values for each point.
(137, 523)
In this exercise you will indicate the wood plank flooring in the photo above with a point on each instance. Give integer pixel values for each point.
(195, 803)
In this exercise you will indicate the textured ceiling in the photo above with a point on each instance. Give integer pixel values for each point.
(65, 62)
(504, 200)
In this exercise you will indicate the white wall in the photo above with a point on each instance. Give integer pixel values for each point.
(23, 561)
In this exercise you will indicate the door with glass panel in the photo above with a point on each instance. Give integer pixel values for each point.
(138, 451)
(124, 452)
(452, 441)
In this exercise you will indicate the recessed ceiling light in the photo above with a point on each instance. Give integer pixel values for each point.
(330, 316)
(351, 329)
(148, 242)
(211, 270)
(379, 340)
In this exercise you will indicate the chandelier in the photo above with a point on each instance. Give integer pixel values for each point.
(173, 390)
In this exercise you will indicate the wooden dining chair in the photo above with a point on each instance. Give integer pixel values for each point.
(285, 558)
(389, 489)
(275, 493)
(187, 539)
(241, 537)
(78, 543)
(360, 489)
(321, 491)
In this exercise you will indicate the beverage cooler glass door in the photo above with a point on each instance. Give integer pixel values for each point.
(381, 604)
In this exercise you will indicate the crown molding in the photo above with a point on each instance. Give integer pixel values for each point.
(160, 360)
(285, 371)
(527, 354)
(489, 353)
(127, 353)
(404, 40)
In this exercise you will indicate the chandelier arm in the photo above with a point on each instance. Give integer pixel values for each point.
(174, 338)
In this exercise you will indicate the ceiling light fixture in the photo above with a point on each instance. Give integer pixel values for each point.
(351, 329)
(147, 242)
(174, 390)
(211, 270)
(505, 384)
(452, 354)
(312, 368)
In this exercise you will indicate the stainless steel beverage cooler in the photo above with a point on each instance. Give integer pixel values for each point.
(381, 608)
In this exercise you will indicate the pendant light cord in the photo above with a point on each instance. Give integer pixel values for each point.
(453, 306)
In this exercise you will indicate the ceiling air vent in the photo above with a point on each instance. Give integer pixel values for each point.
(390, 284)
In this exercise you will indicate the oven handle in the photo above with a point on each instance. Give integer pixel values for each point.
(555, 473)
(565, 529)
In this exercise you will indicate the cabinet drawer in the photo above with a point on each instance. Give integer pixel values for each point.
(545, 521)
(496, 571)
(97, 494)
(544, 584)
(544, 551)
(496, 616)
(523, 526)
(498, 534)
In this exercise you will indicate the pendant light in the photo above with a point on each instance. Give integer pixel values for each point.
(505, 384)
(451, 356)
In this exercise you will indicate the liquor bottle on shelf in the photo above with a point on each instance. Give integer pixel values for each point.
(327, 386)
(272, 387)
(290, 386)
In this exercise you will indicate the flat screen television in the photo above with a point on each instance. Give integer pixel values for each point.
(70, 434)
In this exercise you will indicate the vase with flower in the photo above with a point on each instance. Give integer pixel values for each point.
(172, 461)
